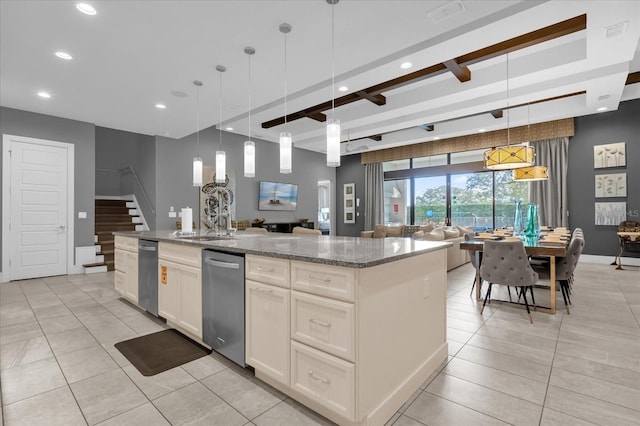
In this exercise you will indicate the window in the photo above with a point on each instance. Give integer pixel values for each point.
(413, 194)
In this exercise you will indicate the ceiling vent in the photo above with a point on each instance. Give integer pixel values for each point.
(447, 11)
(616, 30)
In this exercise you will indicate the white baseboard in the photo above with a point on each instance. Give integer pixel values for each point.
(607, 260)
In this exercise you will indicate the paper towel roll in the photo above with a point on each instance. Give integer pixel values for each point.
(187, 220)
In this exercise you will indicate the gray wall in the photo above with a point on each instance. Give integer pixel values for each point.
(82, 135)
(174, 177)
(622, 125)
(350, 171)
(117, 150)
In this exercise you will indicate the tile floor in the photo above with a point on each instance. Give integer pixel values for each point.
(58, 365)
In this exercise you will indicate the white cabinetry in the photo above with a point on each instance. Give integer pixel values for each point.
(180, 287)
(361, 341)
(267, 299)
(126, 267)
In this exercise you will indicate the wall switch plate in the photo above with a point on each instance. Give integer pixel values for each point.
(82, 215)
(172, 214)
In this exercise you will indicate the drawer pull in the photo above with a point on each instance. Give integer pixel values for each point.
(221, 340)
(322, 323)
(264, 290)
(261, 269)
(319, 379)
(325, 280)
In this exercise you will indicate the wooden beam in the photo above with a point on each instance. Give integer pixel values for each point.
(428, 127)
(633, 77)
(318, 116)
(376, 138)
(463, 74)
(497, 113)
(376, 99)
(560, 29)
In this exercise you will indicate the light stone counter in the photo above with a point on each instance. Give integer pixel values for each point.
(339, 251)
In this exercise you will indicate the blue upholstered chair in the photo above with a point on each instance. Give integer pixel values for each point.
(507, 263)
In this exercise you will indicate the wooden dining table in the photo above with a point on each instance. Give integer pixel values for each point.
(533, 247)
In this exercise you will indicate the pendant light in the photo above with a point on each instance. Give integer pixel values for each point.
(249, 146)
(333, 126)
(530, 174)
(508, 157)
(285, 137)
(197, 161)
(221, 156)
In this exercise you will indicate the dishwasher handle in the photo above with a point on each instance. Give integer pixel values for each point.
(147, 248)
(227, 265)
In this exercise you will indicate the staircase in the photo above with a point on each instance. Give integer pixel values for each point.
(110, 216)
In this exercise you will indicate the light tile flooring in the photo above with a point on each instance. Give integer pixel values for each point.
(58, 365)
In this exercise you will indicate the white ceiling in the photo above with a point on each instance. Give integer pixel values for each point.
(134, 54)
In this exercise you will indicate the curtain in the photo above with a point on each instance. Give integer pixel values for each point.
(374, 195)
(551, 195)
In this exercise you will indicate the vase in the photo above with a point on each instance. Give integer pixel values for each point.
(532, 229)
(517, 220)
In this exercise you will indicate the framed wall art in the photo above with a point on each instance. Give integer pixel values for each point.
(610, 155)
(611, 213)
(613, 185)
(349, 196)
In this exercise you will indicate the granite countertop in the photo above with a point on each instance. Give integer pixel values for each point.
(340, 251)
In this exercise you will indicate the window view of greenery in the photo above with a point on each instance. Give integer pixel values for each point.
(472, 200)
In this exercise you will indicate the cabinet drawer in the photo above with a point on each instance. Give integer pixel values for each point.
(126, 243)
(332, 281)
(322, 323)
(323, 378)
(268, 270)
(179, 253)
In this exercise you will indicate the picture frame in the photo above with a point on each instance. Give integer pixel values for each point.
(609, 155)
(349, 190)
(610, 214)
(349, 216)
(611, 185)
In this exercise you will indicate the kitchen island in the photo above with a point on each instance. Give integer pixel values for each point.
(349, 327)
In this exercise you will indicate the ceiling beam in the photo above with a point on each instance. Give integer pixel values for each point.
(497, 113)
(463, 74)
(560, 29)
(376, 99)
(633, 77)
(376, 138)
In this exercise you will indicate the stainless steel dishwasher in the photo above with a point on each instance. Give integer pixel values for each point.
(223, 304)
(148, 275)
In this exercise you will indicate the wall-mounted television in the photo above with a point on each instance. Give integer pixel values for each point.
(278, 196)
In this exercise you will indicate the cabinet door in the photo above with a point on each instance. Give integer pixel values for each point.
(131, 282)
(120, 281)
(267, 333)
(168, 290)
(191, 300)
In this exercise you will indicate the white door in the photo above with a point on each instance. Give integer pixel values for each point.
(39, 228)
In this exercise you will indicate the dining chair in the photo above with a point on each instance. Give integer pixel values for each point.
(506, 263)
(468, 237)
(301, 230)
(565, 266)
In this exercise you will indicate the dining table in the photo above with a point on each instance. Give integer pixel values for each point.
(534, 247)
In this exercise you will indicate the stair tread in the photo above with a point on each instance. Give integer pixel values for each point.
(90, 265)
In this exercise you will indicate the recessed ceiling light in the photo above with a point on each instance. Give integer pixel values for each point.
(482, 130)
(228, 129)
(602, 109)
(64, 55)
(161, 106)
(85, 8)
(343, 88)
(406, 65)
(44, 95)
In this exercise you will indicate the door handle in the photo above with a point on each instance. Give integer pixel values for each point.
(147, 248)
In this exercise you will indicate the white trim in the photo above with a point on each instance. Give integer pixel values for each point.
(607, 260)
(6, 199)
